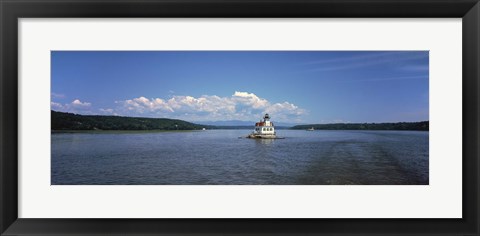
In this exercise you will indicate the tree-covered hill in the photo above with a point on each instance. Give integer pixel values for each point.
(70, 121)
(421, 126)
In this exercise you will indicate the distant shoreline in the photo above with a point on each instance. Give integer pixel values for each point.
(183, 131)
(120, 131)
(71, 123)
(412, 126)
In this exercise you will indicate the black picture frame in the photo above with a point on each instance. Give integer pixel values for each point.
(12, 10)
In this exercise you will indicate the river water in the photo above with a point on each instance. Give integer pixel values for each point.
(220, 157)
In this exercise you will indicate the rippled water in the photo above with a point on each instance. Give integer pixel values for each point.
(221, 157)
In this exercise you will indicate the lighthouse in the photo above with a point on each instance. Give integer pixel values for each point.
(263, 129)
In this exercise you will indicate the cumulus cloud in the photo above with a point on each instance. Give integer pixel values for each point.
(76, 106)
(56, 106)
(250, 99)
(239, 106)
(78, 103)
(143, 104)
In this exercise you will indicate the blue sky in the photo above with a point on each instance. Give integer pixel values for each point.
(293, 86)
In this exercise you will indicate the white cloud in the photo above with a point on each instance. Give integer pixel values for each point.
(108, 111)
(78, 103)
(143, 104)
(250, 99)
(239, 106)
(57, 95)
(76, 106)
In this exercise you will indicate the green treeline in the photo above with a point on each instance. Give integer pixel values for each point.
(421, 126)
(69, 121)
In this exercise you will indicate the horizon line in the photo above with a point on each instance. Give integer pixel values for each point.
(296, 124)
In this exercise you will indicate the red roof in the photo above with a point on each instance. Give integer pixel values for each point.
(263, 124)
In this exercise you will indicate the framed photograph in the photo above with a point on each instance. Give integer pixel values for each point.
(239, 117)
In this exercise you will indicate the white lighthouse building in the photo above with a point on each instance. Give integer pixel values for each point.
(263, 129)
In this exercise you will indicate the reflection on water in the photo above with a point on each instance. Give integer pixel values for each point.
(220, 157)
(264, 142)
